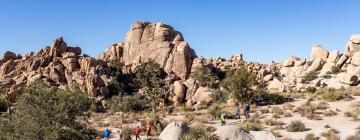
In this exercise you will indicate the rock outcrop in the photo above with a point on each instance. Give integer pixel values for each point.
(353, 45)
(174, 131)
(156, 41)
(59, 66)
(232, 132)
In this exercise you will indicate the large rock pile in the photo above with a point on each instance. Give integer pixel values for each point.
(156, 41)
(58, 65)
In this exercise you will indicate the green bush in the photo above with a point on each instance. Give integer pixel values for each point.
(199, 133)
(310, 90)
(134, 103)
(239, 82)
(205, 77)
(215, 111)
(326, 76)
(312, 75)
(45, 113)
(296, 126)
(334, 70)
(331, 95)
(250, 126)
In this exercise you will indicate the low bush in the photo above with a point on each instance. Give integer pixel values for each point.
(329, 113)
(331, 134)
(198, 133)
(215, 111)
(310, 136)
(354, 112)
(334, 70)
(331, 95)
(277, 111)
(326, 76)
(312, 75)
(250, 126)
(310, 90)
(296, 126)
(135, 103)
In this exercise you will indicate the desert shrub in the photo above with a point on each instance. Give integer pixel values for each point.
(354, 112)
(198, 133)
(312, 75)
(127, 132)
(205, 77)
(310, 136)
(45, 113)
(331, 134)
(329, 113)
(272, 122)
(264, 111)
(189, 117)
(310, 90)
(277, 110)
(334, 70)
(322, 106)
(215, 111)
(287, 114)
(270, 99)
(130, 103)
(355, 91)
(250, 126)
(296, 126)
(326, 76)
(239, 82)
(308, 110)
(331, 95)
(277, 74)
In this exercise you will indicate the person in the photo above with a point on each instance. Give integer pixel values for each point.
(148, 129)
(237, 112)
(157, 127)
(222, 119)
(106, 134)
(120, 132)
(137, 132)
(247, 110)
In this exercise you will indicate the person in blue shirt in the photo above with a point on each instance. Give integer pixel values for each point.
(106, 134)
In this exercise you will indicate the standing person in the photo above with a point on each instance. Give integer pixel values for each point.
(148, 129)
(106, 134)
(237, 112)
(247, 110)
(222, 119)
(137, 132)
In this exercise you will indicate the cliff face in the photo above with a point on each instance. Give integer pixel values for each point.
(156, 41)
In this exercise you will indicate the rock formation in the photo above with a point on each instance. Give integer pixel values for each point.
(59, 66)
(156, 41)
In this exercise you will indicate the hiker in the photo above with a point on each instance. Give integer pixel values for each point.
(157, 127)
(106, 134)
(237, 112)
(137, 132)
(148, 129)
(247, 110)
(222, 119)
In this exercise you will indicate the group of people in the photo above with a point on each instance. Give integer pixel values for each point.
(237, 113)
(137, 130)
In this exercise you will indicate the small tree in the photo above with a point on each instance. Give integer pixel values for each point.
(239, 82)
(150, 76)
(45, 113)
(205, 77)
(312, 75)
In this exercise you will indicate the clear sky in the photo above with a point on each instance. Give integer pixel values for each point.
(262, 30)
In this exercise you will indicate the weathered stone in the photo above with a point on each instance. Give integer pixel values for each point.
(333, 56)
(319, 52)
(203, 95)
(316, 65)
(341, 60)
(58, 47)
(9, 56)
(268, 77)
(76, 50)
(347, 78)
(326, 68)
(232, 132)
(160, 43)
(179, 93)
(353, 70)
(276, 86)
(174, 131)
(355, 60)
(353, 45)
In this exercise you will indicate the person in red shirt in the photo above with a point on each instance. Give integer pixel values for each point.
(148, 129)
(137, 131)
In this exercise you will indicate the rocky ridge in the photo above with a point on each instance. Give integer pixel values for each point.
(61, 65)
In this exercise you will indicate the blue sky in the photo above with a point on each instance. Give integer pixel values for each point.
(262, 30)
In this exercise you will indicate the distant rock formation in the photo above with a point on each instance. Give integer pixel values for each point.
(59, 66)
(156, 41)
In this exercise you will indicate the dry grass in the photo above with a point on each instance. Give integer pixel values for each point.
(330, 113)
(296, 126)
(331, 134)
(354, 113)
(310, 136)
